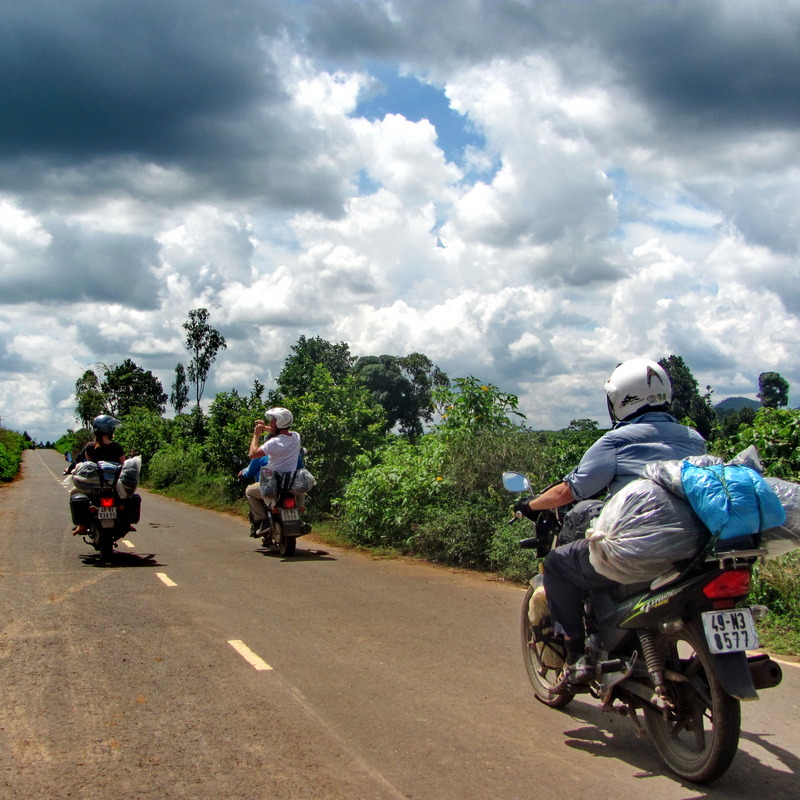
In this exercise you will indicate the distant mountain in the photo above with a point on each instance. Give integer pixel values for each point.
(732, 404)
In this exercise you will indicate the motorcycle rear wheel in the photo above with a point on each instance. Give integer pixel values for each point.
(536, 643)
(697, 741)
(286, 544)
(104, 542)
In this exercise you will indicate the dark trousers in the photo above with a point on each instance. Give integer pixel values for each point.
(568, 576)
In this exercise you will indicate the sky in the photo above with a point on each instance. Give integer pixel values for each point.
(526, 191)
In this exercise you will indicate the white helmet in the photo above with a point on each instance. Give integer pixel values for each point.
(634, 386)
(282, 416)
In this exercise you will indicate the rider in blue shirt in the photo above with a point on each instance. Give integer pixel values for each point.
(638, 392)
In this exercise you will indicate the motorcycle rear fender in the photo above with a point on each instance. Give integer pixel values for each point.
(292, 527)
(735, 677)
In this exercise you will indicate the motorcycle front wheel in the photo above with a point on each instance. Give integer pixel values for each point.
(699, 737)
(543, 654)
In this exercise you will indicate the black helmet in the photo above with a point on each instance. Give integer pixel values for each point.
(105, 424)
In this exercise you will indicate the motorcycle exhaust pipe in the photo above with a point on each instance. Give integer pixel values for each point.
(765, 672)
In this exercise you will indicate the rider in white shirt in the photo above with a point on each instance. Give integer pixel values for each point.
(283, 449)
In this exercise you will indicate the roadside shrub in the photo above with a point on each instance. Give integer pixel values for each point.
(776, 584)
(505, 555)
(456, 535)
(9, 463)
(443, 497)
(176, 464)
(383, 504)
(342, 428)
(11, 446)
(142, 432)
(776, 434)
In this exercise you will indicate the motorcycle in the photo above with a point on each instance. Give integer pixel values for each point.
(675, 649)
(284, 523)
(109, 515)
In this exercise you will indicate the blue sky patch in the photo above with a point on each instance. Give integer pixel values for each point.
(416, 100)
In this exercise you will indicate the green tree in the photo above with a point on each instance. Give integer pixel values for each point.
(143, 432)
(425, 378)
(179, 397)
(339, 423)
(391, 389)
(256, 392)
(229, 429)
(126, 386)
(90, 400)
(203, 343)
(688, 405)
(404, 387)
(775, 432)
(73, 441)
(297, 376)
(473, 405)
(773, 390)
(583, 425)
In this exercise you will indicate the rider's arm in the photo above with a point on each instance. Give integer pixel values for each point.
(255, 447)
(554, 497)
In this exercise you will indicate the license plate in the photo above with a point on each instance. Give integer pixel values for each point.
(106, 513)
(290, 514)
(730, 631)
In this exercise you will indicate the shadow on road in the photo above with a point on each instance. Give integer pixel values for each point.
(611, 736)
(311, 554)
(122, 560)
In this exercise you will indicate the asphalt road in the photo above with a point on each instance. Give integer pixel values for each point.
(201, 666)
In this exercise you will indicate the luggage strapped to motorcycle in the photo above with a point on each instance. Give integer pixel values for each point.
(101, 474)
(284, 481)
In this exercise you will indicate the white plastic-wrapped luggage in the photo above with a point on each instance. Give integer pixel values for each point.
(89, 475)
(784, 538)
(129, 477)
(642, 531)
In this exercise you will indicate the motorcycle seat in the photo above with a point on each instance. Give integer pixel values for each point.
(622, 591)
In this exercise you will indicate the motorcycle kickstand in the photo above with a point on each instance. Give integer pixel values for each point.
(627, 710)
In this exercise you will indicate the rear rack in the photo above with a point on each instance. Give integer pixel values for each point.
(730, 558)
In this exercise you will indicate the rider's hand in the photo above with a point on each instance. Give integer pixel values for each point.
(524, 508)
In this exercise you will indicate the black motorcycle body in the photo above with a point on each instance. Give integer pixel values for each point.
(675, 649)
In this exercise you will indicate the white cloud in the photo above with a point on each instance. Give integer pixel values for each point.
(615, 210)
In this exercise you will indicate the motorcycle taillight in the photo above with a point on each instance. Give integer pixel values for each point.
(288, 502)
(729, 584)
(106, 502)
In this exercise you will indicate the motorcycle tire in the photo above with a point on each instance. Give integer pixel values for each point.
(286, 544)
(104, 538)
(538, 642)
(699, 738)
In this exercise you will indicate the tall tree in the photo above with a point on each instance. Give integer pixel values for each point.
(384, 379)
(342, 427)
(203, 343)
(128, 386)
(426, 378)
(773, 390)
(90, 400)
(179, 397)
(297, 376)
(688, 405)
(403, 386)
